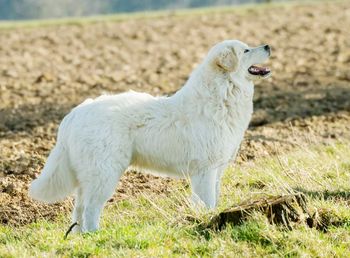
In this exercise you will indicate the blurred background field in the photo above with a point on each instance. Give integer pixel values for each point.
(47, 70)
(48, 9)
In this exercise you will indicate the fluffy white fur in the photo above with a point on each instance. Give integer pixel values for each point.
(194, 134)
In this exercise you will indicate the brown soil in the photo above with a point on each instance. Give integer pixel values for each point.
(45, 71)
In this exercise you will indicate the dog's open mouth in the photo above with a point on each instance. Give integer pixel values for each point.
(257, 70)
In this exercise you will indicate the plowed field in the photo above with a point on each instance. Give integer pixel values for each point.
(45, 71)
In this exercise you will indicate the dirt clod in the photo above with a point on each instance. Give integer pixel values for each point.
(283, 210)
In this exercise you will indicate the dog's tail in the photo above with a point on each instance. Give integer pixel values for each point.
(57, 179)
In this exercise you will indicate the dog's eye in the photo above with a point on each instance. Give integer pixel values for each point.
(246, 50)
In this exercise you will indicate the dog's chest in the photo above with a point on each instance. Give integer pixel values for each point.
(225, 131)
(233, 114)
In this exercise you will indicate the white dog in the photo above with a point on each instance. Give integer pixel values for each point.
(194, 133)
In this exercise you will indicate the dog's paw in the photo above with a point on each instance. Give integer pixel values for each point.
(198, 205)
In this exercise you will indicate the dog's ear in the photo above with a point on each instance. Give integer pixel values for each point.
(227, 59)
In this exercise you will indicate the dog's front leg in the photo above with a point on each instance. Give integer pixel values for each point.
(219, 173)
(203, 189)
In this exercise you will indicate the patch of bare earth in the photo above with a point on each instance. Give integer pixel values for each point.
(46, 71)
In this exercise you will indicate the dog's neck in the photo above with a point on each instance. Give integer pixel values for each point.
(217, 94)
(206, 83)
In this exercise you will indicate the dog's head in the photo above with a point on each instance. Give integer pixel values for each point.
(233, 56)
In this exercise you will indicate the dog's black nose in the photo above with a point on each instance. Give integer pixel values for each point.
(267, 48)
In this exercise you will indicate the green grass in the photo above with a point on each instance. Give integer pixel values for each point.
(79, 21)
(157, 226)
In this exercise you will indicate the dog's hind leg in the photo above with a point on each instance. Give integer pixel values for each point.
(95, 193)
(78, 210)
